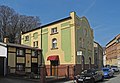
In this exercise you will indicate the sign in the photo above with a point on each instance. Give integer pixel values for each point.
(79, 53)
(3, 51)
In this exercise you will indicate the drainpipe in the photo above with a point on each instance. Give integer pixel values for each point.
(42, 68)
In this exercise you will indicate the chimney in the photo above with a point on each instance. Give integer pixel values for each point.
(6, 40)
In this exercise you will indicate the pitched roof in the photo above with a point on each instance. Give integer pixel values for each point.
(67, 18)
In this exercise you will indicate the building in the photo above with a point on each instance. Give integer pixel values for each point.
(18, 59)
(98, 55)
(104, 56)
(113, 51)
(67, 45)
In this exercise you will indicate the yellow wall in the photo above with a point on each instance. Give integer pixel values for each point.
(11, 59)
(20, 59)
(28, 51)
(11, 49)
(59, 51)
(34, 60)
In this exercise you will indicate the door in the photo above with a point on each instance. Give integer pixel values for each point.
(54, 68)
(1, 66)
(83, 62)
(89, 62)
(34, 68)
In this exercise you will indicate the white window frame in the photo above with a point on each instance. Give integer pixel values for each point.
(54, 43)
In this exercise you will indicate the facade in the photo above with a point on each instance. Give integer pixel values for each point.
(113, 51)
(61, 41)
(98, 55)
(104, 56)
(18, 59)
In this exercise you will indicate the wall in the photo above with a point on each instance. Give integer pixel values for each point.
(84, 40)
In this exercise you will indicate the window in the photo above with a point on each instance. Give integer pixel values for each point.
(20, 52)
(54, 30)
(20, 67)
(54, 43)
(27, 38)
(34, 53)
(35, 35)
(118, 40)
(84, 32)
(35, 44)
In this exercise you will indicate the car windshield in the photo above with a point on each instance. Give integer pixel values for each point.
(105, 69)
(114, 66)
(88, 71)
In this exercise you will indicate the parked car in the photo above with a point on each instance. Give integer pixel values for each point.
(90, 76)
(108, 72)
(108, 66)
(115, 68)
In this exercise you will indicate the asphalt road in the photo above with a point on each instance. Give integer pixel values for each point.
(13, 80)
(115, 79)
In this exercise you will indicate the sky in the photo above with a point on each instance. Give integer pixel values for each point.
(103, 15)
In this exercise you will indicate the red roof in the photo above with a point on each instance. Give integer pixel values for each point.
(53, 57)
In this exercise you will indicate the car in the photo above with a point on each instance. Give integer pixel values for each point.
(108, 66)
(90, 76)
(115, 68)
(108, 72)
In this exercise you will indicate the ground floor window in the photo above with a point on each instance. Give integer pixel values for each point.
(20, 67)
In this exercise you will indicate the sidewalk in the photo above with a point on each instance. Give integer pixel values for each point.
(49, 79)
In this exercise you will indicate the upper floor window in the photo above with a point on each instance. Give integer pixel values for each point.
(54, 43)
(118, 40)
(35, 44)
(34, 53)
(27, 38)
(35, 35)
(54, 30)
(20, 52)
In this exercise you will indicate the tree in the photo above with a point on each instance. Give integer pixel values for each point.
(12, 23)
(5, 15)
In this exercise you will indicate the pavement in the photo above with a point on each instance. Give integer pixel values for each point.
(49, 79)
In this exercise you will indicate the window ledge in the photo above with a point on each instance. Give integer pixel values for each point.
(54, 33)
(54, 48)
(34, 56)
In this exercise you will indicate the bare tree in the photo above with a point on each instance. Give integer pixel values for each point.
(11, 24)
(5, 15)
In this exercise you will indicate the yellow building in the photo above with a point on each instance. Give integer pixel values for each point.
(113, 51)
(67, 45)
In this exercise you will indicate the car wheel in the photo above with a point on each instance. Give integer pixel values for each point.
(102, 78)
(92, 80)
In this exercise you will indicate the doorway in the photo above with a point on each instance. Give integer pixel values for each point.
(83, 62)
(1, 66)
(89, 62)
(34, 68)
(54, 68)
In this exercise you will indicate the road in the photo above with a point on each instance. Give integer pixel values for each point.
(115, 79)
(13, 80)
